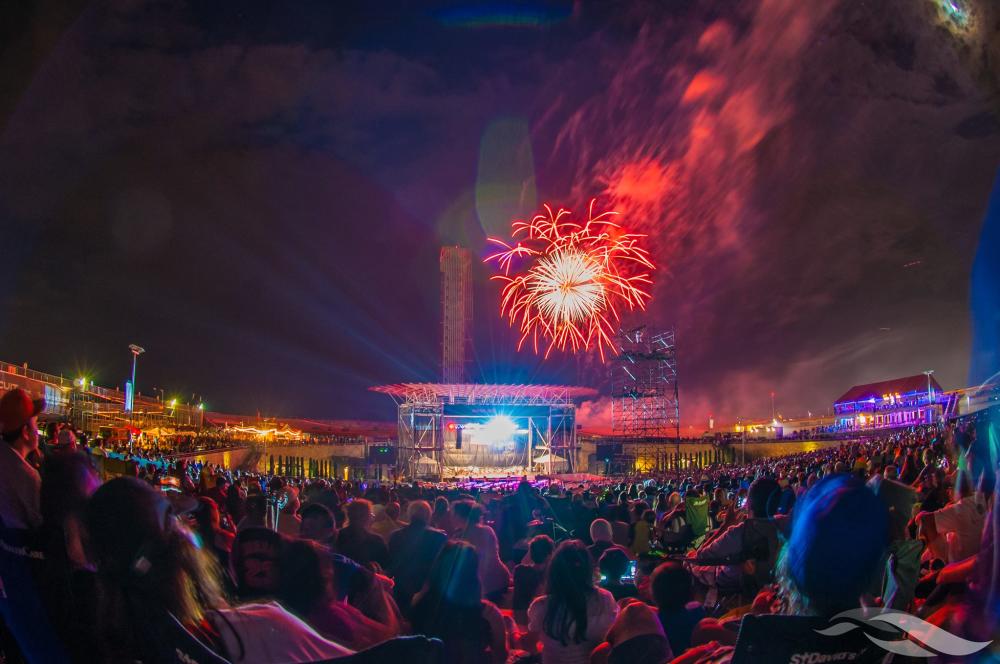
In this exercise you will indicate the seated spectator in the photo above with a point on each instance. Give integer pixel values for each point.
(601, 536)
(839, 535)
(954, 532)
(255, 556)
(357, 541)
(528, 576)
(412, 551)
(451, 607)
(742, 557)
(150, 572)
(636, 637)
(370, 593)
(613, 566)
(671, 587)
(643, 536)
(573, 616)
(306, 588)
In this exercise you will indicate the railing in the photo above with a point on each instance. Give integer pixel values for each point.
(23, 370)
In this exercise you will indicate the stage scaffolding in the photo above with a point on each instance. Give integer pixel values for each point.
(427, 448)
(645, 405)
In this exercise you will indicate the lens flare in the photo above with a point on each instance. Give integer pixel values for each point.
(577, 277)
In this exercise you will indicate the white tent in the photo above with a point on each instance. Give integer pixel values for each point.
(425, 465)
(558, 462)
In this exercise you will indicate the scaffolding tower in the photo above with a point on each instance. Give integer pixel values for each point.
(645, 405)
(456, 313)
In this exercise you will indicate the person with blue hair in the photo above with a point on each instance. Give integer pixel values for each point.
(840, 531)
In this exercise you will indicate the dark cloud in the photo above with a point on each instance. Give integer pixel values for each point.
(257, 192)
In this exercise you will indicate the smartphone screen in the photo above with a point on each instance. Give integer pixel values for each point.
(629, 576)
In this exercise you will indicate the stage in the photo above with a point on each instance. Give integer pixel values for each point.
(451, 431)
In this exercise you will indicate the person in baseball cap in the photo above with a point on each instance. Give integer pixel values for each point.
(20, 483)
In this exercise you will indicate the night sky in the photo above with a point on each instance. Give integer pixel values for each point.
(257, 191)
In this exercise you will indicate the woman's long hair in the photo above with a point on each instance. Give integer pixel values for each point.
(147, 562)
(569, 584)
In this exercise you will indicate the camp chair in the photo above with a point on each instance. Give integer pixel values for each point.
(770, 638)
(169, 642)
(696, 515)
(409, 649)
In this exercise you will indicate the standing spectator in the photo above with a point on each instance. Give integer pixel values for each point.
(318, 525)
(256, 513)
(236, 498)
(493, 574)
(451, 607)
(387, 522)
(20, 483)
(573, 616)
(214, 538)
(441, 519)
(357, 541)
(288, 519)
(67, 583)
(412, 551)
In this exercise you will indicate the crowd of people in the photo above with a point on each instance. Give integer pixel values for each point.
(188, 563)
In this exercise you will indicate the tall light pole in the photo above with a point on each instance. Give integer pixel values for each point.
(930, 392)
(136, 352)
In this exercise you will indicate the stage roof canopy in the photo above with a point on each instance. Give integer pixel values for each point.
(480, 393)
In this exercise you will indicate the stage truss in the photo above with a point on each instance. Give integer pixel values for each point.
(545, 414)
(645, 404)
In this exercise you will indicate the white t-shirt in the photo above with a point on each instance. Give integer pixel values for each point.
(962, 525)
(601, 612)
(268, 634)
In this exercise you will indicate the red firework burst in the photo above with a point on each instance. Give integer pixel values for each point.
(575, 279)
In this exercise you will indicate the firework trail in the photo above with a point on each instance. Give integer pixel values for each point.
(576, 279)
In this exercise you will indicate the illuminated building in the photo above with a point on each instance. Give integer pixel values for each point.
(899, 402)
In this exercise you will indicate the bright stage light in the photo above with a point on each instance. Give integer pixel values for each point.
(498, 430)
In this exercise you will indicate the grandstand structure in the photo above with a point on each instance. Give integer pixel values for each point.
(95, 409)
(480, 430)
(645, 402)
